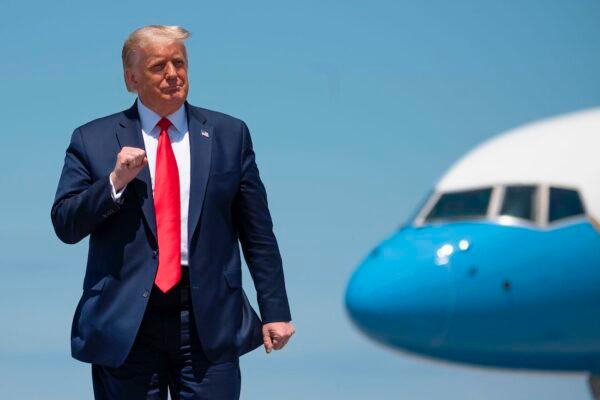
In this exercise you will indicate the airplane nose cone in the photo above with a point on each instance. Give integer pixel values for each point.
(400, 296)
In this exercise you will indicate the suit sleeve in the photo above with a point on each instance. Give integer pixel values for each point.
(80, 204)
(257, 239)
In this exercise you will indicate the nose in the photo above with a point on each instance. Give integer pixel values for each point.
(400, 296)
(170, 71)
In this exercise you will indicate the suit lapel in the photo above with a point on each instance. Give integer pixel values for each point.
(129, 133)
(201, 137)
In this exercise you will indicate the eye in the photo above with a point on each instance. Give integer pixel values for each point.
(157, 67)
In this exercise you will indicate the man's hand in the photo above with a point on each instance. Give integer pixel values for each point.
(276, 335)
(130, 162)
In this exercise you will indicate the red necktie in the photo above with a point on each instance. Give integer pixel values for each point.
(167, 207)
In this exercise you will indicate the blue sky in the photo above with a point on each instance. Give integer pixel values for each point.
(356, 109)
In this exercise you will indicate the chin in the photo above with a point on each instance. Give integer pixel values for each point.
(175, 96)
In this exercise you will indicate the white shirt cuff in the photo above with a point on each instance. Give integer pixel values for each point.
(116, 196)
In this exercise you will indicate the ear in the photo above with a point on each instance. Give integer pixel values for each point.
(131, 79)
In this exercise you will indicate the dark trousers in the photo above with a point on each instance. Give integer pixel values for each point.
(167, 357)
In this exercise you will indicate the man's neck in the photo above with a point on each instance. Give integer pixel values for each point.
(149, 118)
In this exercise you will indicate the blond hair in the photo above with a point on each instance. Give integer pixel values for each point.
(149, 34)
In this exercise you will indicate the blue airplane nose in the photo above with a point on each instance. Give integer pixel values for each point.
(401, 294)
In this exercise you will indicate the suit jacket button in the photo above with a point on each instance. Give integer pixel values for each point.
(155, 254)
(146, 293)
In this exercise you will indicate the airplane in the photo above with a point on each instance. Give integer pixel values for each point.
(500, 265)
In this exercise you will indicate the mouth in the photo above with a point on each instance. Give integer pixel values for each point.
(171, 89)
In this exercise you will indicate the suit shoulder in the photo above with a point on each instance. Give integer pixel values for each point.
(102, 124)
(217, 118)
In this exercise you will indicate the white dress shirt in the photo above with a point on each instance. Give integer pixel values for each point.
(179, 135)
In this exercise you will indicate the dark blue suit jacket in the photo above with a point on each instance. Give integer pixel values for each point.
(227, 203)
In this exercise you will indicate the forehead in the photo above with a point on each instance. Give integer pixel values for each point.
(162, 49)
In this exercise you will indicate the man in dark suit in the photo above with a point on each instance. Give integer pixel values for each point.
(165, 190)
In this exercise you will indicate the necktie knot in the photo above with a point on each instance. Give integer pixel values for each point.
(164, 124)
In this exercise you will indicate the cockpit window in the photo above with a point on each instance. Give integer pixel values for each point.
(461, 205)
(519, 202)
(564, 203)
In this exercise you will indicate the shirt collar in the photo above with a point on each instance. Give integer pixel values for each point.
(149, 118)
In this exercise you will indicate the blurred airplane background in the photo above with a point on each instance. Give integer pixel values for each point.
(356, 110)
(501, 265)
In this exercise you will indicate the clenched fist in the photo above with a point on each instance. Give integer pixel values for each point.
(276, 335)
(130, 162)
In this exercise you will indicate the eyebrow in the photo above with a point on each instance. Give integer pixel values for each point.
(158, 60)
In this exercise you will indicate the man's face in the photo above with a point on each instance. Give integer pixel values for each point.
(159, 76)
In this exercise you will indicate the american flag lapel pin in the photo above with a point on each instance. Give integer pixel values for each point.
(205, 134)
